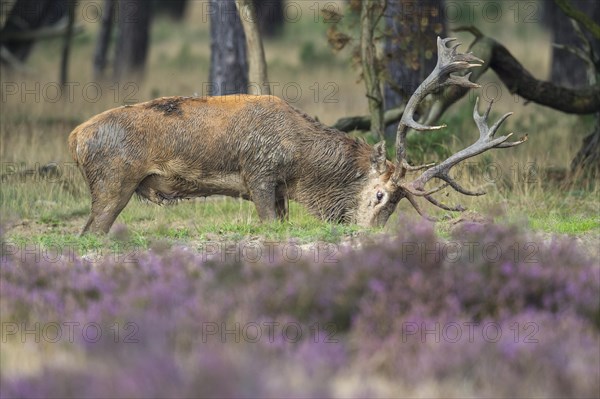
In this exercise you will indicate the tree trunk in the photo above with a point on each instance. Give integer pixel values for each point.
(173, 8)
(30, 15)
(132, 39)
(370, 12)
(228, 65)
(103, 41)
(270, 15)
(410, 48)
(259, 83)
(64, 64)
(567, 69)
(587, 158)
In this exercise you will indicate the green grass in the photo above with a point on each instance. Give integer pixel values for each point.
(227, 218)
(53, 219)
(53, 243)
(302, 231)
(563, 224)
(123, 238)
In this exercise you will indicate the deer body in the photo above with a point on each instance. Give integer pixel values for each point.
(262, 149)
(255, 147)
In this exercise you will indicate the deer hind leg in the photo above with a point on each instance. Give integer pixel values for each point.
(109, 197)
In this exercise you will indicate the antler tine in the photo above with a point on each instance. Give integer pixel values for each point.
(457, 208)
(450, 60)
(446, 40)
(481, 120)
(420, 192)
(500, 121)
(412, 168)
(463, 81)
(445, 177)
(417, 207)
(487, 111)
(513, 143)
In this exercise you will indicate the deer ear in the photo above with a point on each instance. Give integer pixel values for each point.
(378, 159)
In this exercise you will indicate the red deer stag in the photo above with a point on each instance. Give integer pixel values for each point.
(262, 149)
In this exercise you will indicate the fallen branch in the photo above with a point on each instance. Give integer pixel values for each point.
(519, 81)
(48, 32)
(13, 62)
(352, 123)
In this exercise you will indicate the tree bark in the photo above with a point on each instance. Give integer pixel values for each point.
(270, 15)
(589, 22)
(587, 158)
(410, 48)
(103, 41)
(567, 69)
(132, 39)
(64, 64)
(259, 83)
(228, 65)
(371, 11)
(173, 8)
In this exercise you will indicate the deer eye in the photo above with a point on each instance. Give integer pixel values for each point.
(379, 196)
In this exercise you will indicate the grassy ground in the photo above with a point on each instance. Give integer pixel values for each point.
(51, 210)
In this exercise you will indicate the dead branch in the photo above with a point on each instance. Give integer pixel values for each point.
(48, 32)
(363, 123)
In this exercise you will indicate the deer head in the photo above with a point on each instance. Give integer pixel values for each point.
(387, 183)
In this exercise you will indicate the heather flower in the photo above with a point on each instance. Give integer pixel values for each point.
(492, 311)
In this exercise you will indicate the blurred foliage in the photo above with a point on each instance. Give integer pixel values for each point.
(404, 312)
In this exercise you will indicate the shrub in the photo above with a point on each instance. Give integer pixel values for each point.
(492, 311)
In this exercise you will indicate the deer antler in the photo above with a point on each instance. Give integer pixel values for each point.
(449, 61)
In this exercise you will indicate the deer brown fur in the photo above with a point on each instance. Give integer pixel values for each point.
(255, 147)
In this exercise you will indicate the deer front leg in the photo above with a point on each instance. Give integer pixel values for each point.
(281, 203)
(264, 197)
